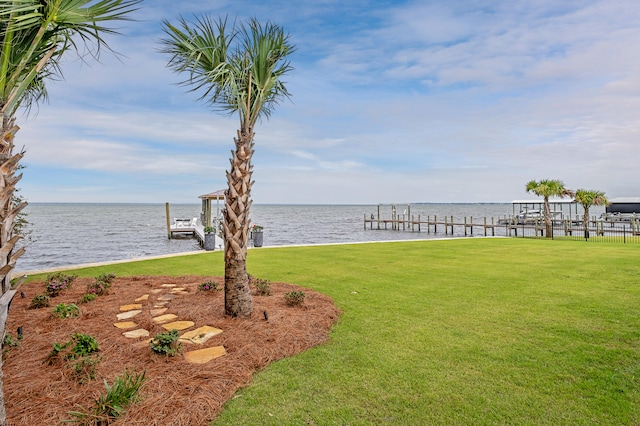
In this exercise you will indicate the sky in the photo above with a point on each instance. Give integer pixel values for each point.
(392, 102)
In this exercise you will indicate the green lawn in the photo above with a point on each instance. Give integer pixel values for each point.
(465, 331)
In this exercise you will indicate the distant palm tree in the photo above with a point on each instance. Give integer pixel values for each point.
(34, 35)
(239, 69)
(589, 198)
(548, 188)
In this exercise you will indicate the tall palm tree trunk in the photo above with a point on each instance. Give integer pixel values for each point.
(585, 221)
(8, 213)
(238, 302)
(547, 218)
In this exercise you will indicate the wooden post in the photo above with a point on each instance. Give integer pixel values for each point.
(419, 223)
(471, 225)
(485, 226)
(379, 216)
(465, 225)
(168, 221)
(446, 229)
(493, 228)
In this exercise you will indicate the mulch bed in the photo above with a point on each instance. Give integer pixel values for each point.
(175, 392)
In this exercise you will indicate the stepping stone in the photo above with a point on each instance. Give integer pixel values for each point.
(201, 356)
(168, 285)
(131, 307)
(134, 334)
(160, 304)
(156, 312)
(156, 291)
(178, 325)
(178, 289)
(127, 315)
(164, 318)
(125, 324)
(200, 335)
(142, 298)
(167, 297)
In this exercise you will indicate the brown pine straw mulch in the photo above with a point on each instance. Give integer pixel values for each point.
(175, 392)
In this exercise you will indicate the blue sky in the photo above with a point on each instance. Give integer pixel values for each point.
(392, 101)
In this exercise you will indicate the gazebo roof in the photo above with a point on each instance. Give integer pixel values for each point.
(217, 195)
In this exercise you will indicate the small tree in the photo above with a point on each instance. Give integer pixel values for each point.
(588, 198)
(239, 69)
(548, 188)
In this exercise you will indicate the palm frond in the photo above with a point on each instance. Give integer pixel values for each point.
(35, 34)
(236, 69)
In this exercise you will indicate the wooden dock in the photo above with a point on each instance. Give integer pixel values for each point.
(507, 226)
(193, 227)
(431, 224)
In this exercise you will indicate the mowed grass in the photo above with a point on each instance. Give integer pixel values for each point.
(465, 331)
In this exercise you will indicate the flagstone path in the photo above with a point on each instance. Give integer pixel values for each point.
(157, 303)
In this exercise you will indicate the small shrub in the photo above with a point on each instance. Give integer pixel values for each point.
(39, 301)
(294, 298)
(101, 285)
(63, 310)
(83, 345)
(263, 287)
(166, 343)
(209, 285)
(86, 298)
(123, 393)
(9, 342)
(57, 283)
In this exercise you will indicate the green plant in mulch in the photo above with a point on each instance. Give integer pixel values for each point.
(78, 354)
(80, 345)
(208, 285)
(86, 298)
(101, 285)
(263, 287)
(294, 298)
(166, 343)
(57, 283)
(124, 392)
(64, 310)
(39, 301)
(9, 342)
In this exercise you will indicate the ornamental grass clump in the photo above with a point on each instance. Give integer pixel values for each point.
(57, 283)
(101, 285)
(124, 392)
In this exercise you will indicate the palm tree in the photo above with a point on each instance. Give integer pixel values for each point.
(548, 188)
(588, 198)
(34, 35)
(239, 69)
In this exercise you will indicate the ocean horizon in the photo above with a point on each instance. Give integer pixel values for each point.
(66, 234)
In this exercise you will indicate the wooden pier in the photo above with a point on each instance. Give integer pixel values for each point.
(193, 227)
(507, 226)
(431, 224)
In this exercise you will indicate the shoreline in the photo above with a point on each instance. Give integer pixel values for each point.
(190, 253)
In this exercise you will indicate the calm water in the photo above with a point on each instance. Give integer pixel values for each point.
(63, 234)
